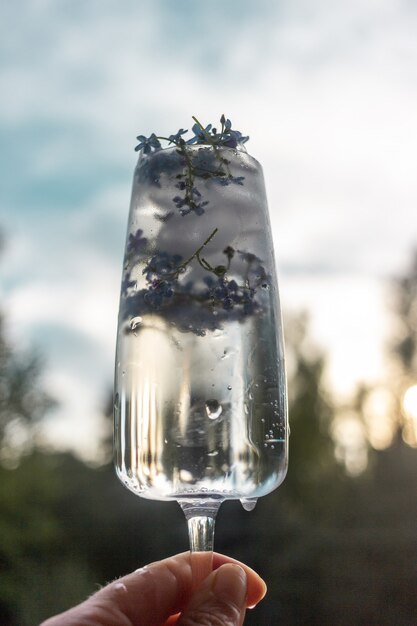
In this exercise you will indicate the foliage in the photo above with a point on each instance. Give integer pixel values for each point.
(333, 549)
(22, 401)
(404, 346)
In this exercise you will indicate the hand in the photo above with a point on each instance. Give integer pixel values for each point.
(161, 594)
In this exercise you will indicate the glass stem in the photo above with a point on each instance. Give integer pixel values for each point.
(201, 518)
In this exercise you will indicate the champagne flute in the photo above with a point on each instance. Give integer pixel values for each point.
(200, 384)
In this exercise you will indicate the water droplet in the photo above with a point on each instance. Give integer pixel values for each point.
(248, 503)
(213, 409)
(213, 453)
(229, 387)
(165, 440)
(263, 420)
(135, 322)
(250, 395)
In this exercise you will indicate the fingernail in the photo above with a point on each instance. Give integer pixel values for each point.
(230, 584)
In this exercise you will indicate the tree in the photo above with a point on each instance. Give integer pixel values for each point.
(23, 403)
(404, 346)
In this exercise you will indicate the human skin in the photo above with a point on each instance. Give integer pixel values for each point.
(161, 594)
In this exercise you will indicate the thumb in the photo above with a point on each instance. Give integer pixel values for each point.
(220, 600)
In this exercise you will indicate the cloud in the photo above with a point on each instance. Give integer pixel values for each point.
(327, 92)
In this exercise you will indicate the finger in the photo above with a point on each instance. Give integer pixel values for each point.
(221, 599)
(165, 587)
(149, 595)
(256, 586)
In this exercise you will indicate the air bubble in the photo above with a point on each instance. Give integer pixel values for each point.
(213, 409)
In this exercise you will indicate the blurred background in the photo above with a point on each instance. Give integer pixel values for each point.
(328, 94)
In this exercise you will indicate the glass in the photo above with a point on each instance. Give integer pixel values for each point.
(200, 385)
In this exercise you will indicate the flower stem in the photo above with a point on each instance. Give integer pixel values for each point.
(213, 145)
(196, 254)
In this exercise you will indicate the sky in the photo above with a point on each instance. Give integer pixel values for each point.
(328, 94)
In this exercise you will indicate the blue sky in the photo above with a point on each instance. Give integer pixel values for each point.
(328, 93)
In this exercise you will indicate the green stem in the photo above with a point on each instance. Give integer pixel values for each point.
(205, 133)
(196, 254)
(213, 145)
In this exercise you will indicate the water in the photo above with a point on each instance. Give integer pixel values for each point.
(248, 504)
(181, 431)
(200, 410)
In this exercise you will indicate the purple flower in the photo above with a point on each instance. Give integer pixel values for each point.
(232, 138)
(147, 144)
(127, 283)
(157, 293)
(177, 137)
(162, 265)
(200, 135)
(136, 243)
